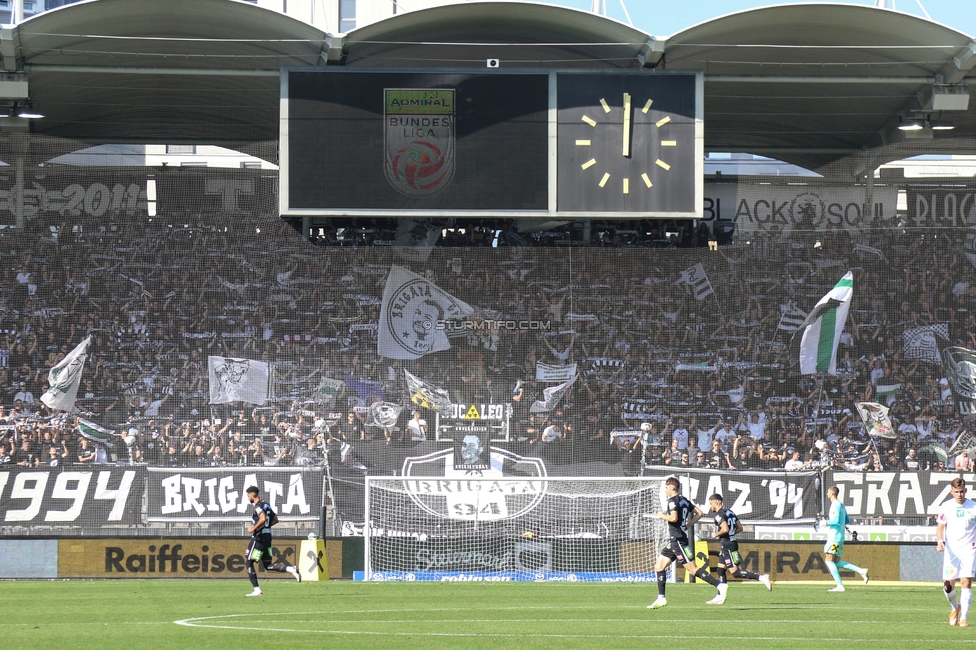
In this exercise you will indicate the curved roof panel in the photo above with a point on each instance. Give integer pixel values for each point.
(823, 39)
(149, 71)
(185, 33)
(812, 84)
(815, 83)
(519, 34)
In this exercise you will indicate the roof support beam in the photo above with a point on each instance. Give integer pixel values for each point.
(10, 49)
(650, 53)
(781, 79)
(830, 151)
(960, 65)
(332, 49)
(183, 72)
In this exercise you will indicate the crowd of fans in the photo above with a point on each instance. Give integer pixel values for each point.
(709, 366)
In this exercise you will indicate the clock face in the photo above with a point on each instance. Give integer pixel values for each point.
(626, 143)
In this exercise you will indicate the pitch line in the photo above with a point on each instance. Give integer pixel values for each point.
(201, 622)
(641, 621)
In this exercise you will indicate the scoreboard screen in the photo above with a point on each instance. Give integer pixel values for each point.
(566, 144)
(417, 141)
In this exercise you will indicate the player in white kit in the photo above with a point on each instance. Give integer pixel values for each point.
(955, 537)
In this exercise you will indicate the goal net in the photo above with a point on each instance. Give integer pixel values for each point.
(507, 529)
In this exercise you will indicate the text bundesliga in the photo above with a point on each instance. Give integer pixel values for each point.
(419, 126)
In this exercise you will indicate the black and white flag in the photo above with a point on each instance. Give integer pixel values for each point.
(695, 278)
(926, 342)
(415, 239)
(960, 369)
(426, 395)
(238, 380)
(552, 396)
(791, 317)
(383, 414)
(413, 314)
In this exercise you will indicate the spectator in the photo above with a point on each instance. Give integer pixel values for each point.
(795, 464)
(417, 428)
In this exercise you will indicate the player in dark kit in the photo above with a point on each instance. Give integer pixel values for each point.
(681, 513)
(729, 526)
(260, 546)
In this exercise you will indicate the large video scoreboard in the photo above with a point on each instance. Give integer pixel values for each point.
(546, 144)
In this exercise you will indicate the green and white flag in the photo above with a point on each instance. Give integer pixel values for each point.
(65, 378)
(822, 329)
(96, 433)
(328, 389)
(884, 391)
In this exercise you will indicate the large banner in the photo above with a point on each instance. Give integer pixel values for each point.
(756, 497)
(783, 209)
(875, 494)
(928, 206)
(219, 494)
(53, 497)
(553, 373)
(165, 558)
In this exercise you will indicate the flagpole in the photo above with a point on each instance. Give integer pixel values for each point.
(821, 377)
(718, 302)
(877, 453)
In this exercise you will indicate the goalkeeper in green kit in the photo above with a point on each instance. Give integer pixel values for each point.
(836, 529)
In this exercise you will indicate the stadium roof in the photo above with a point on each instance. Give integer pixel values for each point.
(818, 85)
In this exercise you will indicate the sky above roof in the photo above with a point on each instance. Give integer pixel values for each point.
(662, 18)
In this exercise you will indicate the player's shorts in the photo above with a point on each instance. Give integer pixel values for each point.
(958, 563)
(259, 549)
(679, 552)
(834, 548)
(728, 556)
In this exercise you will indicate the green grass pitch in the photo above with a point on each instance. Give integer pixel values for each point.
(215, 614)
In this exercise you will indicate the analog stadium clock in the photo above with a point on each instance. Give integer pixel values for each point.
(626, 143)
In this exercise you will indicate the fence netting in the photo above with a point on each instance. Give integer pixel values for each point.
(227, 348)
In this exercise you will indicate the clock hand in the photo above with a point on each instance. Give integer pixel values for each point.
(627, 118)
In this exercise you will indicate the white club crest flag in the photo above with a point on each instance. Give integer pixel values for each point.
(412, 316)
(238, 380)
(823, 327)
(65, 378)
(876, 420)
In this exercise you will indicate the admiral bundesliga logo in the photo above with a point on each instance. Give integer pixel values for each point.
(419, 139)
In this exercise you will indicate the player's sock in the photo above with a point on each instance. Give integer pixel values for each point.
(702, 574)
(965, 600)
(280, 567)
(834, 573)
(742, 574)
(952, 595)
(662, 580)
(251, 573)
(847, 566)
(722, 577)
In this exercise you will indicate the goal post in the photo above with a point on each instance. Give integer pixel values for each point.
(475, 528)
